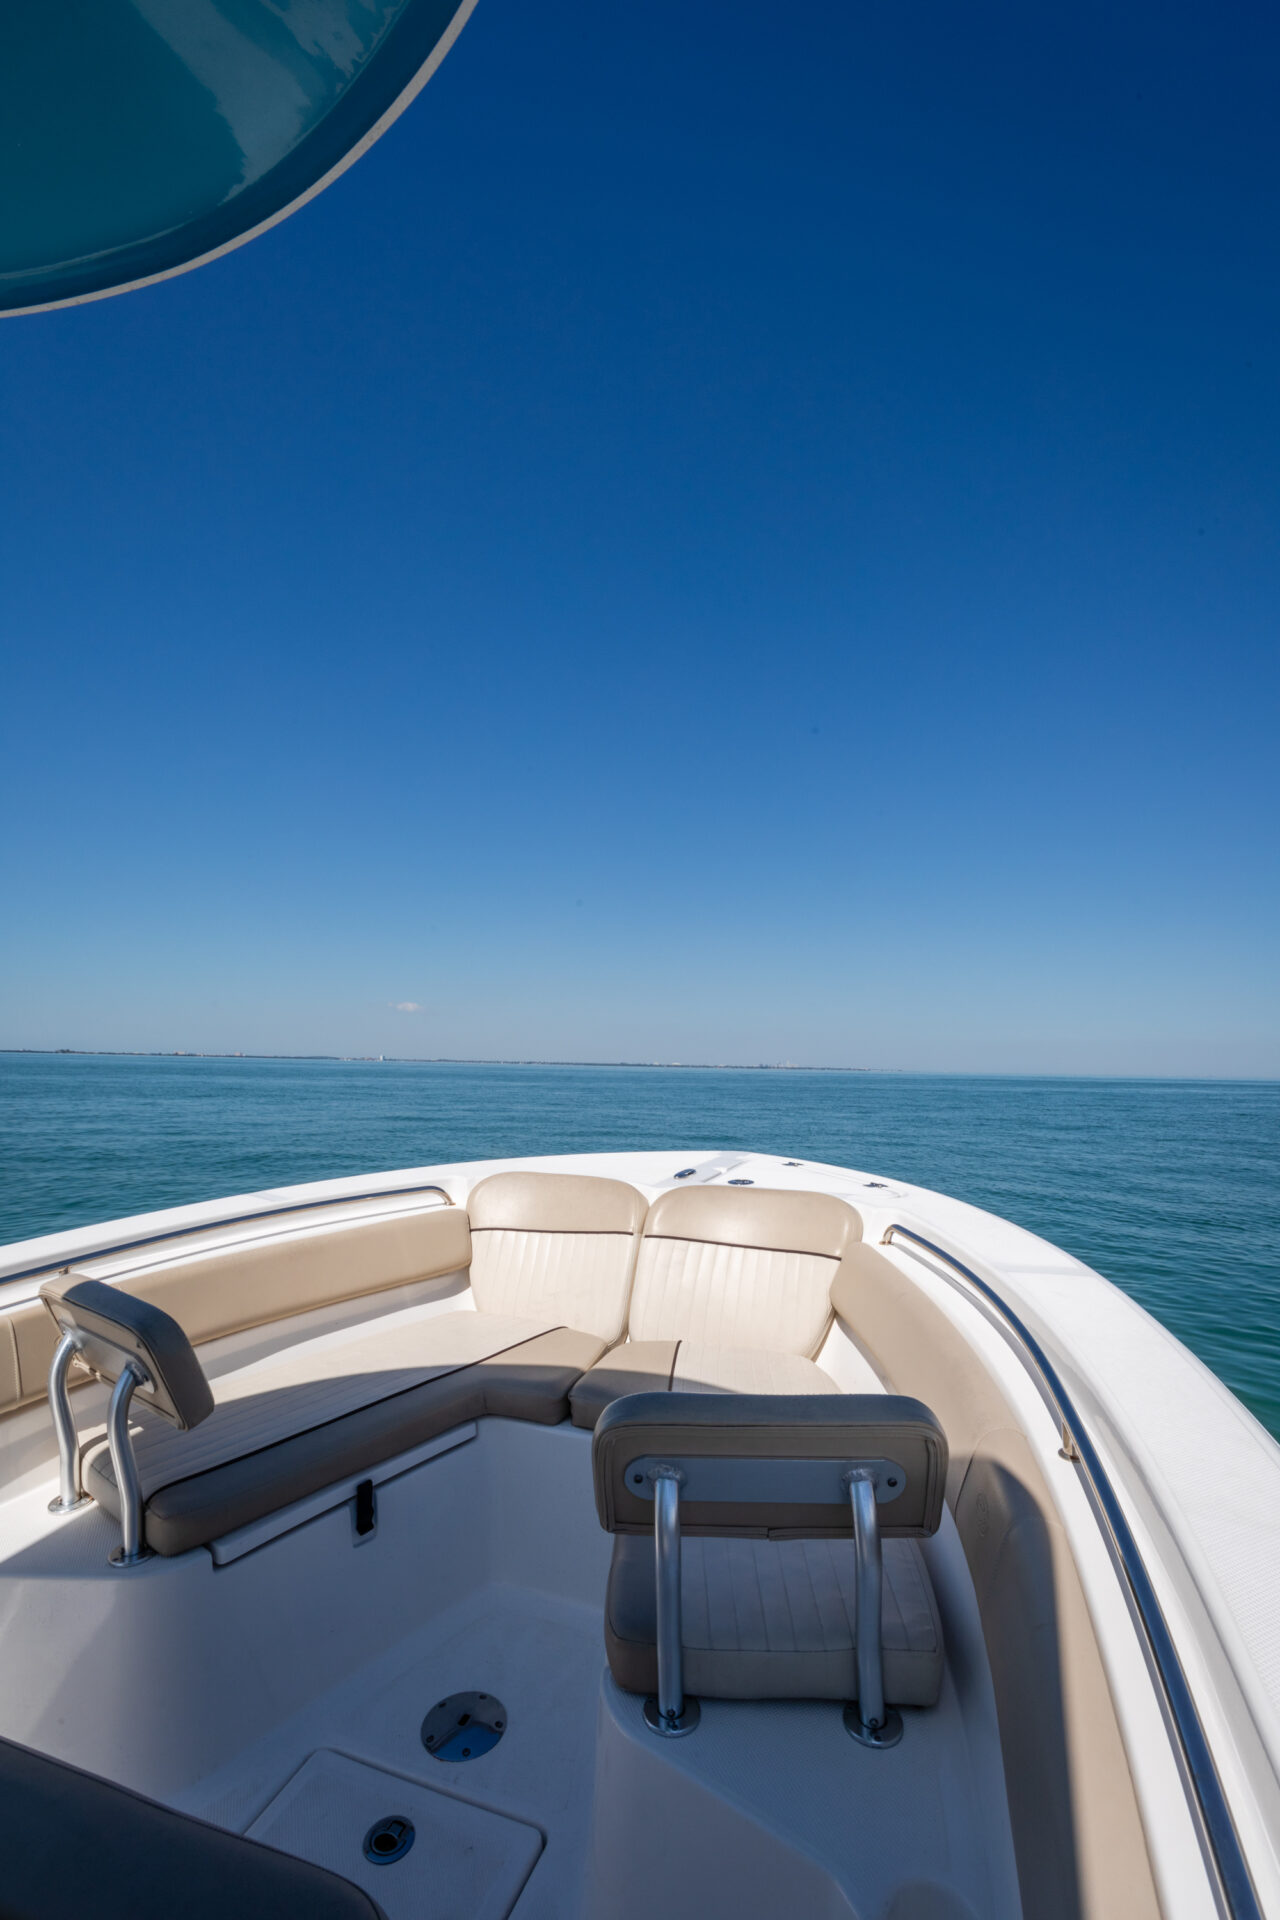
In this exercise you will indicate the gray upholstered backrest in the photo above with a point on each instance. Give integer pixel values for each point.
(113, 1327)
(770, 1464)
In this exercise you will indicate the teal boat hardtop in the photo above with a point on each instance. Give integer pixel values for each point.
(143, 137)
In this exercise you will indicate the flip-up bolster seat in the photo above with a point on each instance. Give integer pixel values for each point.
(767, 1586)
(321, 1411)
(732, 1294)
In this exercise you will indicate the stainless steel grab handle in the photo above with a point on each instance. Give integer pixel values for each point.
(211, 1226)
(1238, 1894)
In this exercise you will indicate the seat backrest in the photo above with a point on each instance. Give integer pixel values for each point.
(556, 1245)
(73, 1844)
(112, 1328)
(753, 1464)
(253, 1281)
(741, 1267)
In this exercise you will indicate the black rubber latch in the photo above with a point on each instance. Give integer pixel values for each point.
(366, 1508)
(389, 1839)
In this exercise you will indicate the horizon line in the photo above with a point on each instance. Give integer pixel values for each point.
(685, 1066)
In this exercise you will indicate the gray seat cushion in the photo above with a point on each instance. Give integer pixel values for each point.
(330, 1409)
(774, 1620)
(73, 1846)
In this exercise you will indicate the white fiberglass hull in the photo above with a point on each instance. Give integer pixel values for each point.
(1141, 1776)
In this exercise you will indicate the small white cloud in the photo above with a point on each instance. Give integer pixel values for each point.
(404, 1006)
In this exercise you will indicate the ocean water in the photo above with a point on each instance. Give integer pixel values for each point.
(1170, 1188)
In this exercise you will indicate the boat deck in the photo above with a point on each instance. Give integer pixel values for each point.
(768, 1808)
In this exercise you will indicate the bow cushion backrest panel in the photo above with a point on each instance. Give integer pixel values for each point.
(557, 1245)
(741, 1267)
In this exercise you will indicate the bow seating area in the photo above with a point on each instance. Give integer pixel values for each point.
(732, 1294)
(551, 1258)
(580, 1298)
(578, 1294)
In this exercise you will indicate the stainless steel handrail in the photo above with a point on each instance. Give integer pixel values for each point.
(1238, 1894)
(209, 1226)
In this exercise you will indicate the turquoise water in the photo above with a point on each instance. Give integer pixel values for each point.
(1170, 1188)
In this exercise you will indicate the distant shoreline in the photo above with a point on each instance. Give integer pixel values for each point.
(438, 1060)
(638, 1066)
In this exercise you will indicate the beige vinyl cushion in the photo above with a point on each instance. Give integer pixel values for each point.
(745, 1370)
(271, 1275)
(10, 1366)
(638, 1366)
(557, 1245)
(774, 1620)
(741, 1267)
(283, 1274)
(657, 1366)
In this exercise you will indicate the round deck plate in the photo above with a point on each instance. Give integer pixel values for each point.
(464, 1726)
(388, 1840)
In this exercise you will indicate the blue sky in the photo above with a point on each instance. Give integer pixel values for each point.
(727, 536)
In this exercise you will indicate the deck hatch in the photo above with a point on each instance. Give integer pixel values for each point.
(465, 1863)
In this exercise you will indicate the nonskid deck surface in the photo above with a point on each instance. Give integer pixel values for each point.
(214, 1688)
(768, 1809)
(773, 1805)
(541, 1657)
